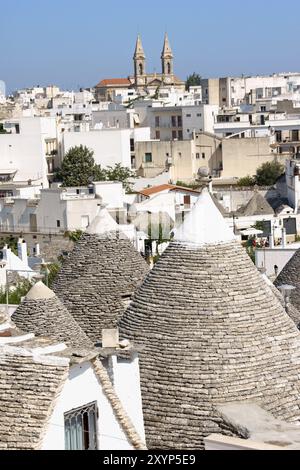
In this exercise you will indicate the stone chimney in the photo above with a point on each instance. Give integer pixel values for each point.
(110, 338)
(6, 253)
(22, 250)
(37, 249)
(284, 242)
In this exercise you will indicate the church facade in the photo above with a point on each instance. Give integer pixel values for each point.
(144, 83)
(148, 82)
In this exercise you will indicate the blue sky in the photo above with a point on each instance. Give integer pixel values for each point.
(78, 42)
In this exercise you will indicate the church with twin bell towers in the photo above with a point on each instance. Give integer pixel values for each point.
(143, 80)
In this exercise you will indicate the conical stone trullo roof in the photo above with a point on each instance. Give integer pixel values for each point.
(291, 310)
(43, 314)
(99, 276)
(212, 332)
(257, 205)
(290, 275)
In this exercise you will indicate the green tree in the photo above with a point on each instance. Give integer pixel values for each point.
(268, 173)
(16, 293)
(79, 168)
(193, 80)
(2, 130)
(74, 236)
(120, 173)
(11, 242)
(53, 270)
(247, 181)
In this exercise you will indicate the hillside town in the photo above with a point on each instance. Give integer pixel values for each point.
(150, 262)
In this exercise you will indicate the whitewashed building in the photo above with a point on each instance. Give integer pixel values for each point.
(77, 400)
(28, 150)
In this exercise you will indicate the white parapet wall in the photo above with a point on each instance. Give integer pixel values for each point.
(220, 442)
(268, 258)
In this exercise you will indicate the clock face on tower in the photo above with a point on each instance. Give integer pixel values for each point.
(140, 81)
(167, 80)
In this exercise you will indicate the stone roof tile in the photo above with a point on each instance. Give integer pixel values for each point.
(43, 314)
(213, 332)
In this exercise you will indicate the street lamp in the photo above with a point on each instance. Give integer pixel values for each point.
(286, 291)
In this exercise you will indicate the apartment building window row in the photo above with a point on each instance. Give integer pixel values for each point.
(176, 121)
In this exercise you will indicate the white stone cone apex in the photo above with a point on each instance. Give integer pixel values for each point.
(204, 225)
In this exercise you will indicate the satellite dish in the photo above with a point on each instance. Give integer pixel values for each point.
(203, 172)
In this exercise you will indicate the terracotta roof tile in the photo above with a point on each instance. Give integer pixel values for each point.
(164, 187)
(113, 82)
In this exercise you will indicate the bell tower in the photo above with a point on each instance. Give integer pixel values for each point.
(167, 58)
(139, 59)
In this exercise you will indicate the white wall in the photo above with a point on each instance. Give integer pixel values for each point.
(141, 134)
(70, 210)
(199, 119)
(25, 152)
(127, 385)
(267, 258)
(81, 388)
(162, 202)
(112, 193)
(109, 146)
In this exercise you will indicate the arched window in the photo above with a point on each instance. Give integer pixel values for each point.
(169, 68)
(141, 70)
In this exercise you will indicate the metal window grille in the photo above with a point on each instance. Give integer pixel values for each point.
(81, 428)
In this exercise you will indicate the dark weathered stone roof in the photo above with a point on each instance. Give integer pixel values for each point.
(257, 205)
(292, 311)
(98, 278)
(43, 314)
(213, 333)
(291, 275)
(28, 390)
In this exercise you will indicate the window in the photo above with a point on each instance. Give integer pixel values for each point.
(259, 93)
(58, 223)
(188, 115)
(131, 145)
(187, 201)
(81, 428)
(141, 69)
(77, 191)
(203, 155)
(169, 68)
(180, 135)
(173, 120)
(263, 109)
(148, 157)
(199, 115)
(157, 135)
(179, 121)
(198, 156)
(174, 135)
(156, 121)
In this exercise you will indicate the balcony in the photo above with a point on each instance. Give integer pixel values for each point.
(148, 165)
(8, 201)
(33, 202)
